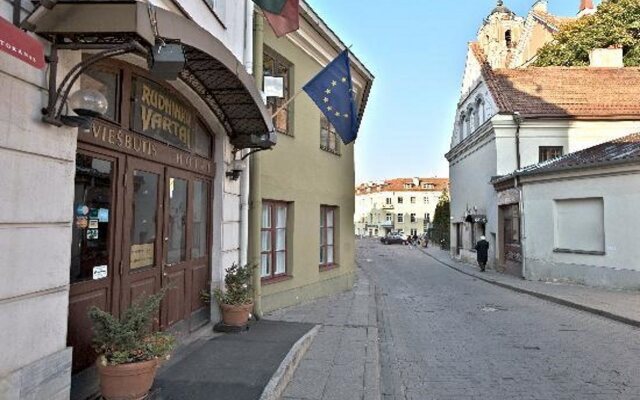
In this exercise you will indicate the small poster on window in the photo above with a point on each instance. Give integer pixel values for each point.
(99, 272)
(92, 234)
(103, 215)
(82, 222)
(93, 224)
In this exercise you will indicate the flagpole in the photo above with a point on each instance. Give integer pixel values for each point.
(284, 106)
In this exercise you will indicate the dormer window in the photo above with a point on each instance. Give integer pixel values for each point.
(408, 186)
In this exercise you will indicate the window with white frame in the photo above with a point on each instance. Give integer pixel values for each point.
(413, 200)
(400, 200)
(389, 217)
(400, 218)
(413, 218)
(327, 236)
(388, 201)
(274, 239)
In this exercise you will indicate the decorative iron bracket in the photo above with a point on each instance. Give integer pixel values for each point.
(58, 95)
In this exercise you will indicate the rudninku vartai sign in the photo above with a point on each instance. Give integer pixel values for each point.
(18, 44)
(158, 113)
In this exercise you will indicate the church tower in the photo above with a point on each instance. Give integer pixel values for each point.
(499, 35)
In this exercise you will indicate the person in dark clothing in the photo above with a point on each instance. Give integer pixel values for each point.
(482, 251)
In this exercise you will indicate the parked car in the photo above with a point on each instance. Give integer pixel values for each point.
(394, 239)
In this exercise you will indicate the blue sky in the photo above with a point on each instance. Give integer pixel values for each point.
(416, 49)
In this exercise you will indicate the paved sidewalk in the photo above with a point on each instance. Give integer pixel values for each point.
(343, 360)
(228, 367)
(619, 305)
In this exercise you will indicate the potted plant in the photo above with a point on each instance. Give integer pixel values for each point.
(129, 352)
(235, 300)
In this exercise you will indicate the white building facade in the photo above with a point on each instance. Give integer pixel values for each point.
(104, 213)
(405, 205)
(508, 119)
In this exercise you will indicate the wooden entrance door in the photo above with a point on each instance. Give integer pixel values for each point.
(94, 255)
(142, 259)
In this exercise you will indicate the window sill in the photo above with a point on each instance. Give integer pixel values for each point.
(328, 150)
(584, 252)
(275, 279)
(325, 268)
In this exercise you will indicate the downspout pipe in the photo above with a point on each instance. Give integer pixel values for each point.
(255, 196)
(519, 120)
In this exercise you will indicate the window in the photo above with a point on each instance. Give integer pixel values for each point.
(276, 66)
(413, 218)
(579, 226)
(218, 8)
(400, 200)
(414, 232)
(106, 82)
(480, 117)
(389, 217)
(507, 39)
(274, 239)
(327, 236)
(428, 186)
(413, 200)
(401, 218)
(329, 138)
(388, 201)
(550, 152)
(426, 200)
(408, 186)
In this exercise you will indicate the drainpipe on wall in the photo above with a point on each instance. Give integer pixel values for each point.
(518, 119)
(245, 186)
(255, 195)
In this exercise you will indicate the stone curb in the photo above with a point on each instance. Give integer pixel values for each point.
(543, 296)
(282, 377)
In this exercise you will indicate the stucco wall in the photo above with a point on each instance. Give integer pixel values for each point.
(619, 266)
(298, 171)
(37, 164)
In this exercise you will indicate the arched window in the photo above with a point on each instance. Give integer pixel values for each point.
(467, 124)
(507, 39)
(461, 128)
(480, 111)
(476, 117)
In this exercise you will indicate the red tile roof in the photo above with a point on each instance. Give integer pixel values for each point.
(398, 185)
(576, 92)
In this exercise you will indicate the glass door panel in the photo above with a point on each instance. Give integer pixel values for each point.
(143, 225)
(177, 225)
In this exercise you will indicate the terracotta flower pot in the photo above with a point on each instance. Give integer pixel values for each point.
(236, 315)
(127, 381)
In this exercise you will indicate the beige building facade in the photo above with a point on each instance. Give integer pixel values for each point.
(403, 205)
(303, 236)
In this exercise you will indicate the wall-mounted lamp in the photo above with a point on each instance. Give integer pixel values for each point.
(237, 167)
(86, 103)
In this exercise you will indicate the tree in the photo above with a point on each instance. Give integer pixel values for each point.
(442, 220)
(616, 23)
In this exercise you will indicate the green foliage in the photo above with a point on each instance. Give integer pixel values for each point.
(237, 286)
(442, 220)
(616, 23)
(130, 339)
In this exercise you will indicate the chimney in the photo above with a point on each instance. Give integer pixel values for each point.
(586, 8)
(607, 58)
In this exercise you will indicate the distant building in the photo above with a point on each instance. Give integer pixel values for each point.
(511, 118)
(579, 215)
(403, 205)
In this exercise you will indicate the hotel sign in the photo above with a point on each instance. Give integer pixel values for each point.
(18, 44)
(159, 114)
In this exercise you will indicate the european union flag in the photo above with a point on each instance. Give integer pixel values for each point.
(332, 91)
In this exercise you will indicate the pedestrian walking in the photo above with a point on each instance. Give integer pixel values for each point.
(482, 251)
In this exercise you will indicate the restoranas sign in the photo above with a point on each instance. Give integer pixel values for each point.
(159, 114)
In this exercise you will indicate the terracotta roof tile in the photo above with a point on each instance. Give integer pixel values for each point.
(552, 21)
(576, 92)
(398, 185)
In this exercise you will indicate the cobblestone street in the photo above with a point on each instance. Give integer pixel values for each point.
(445, 335)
